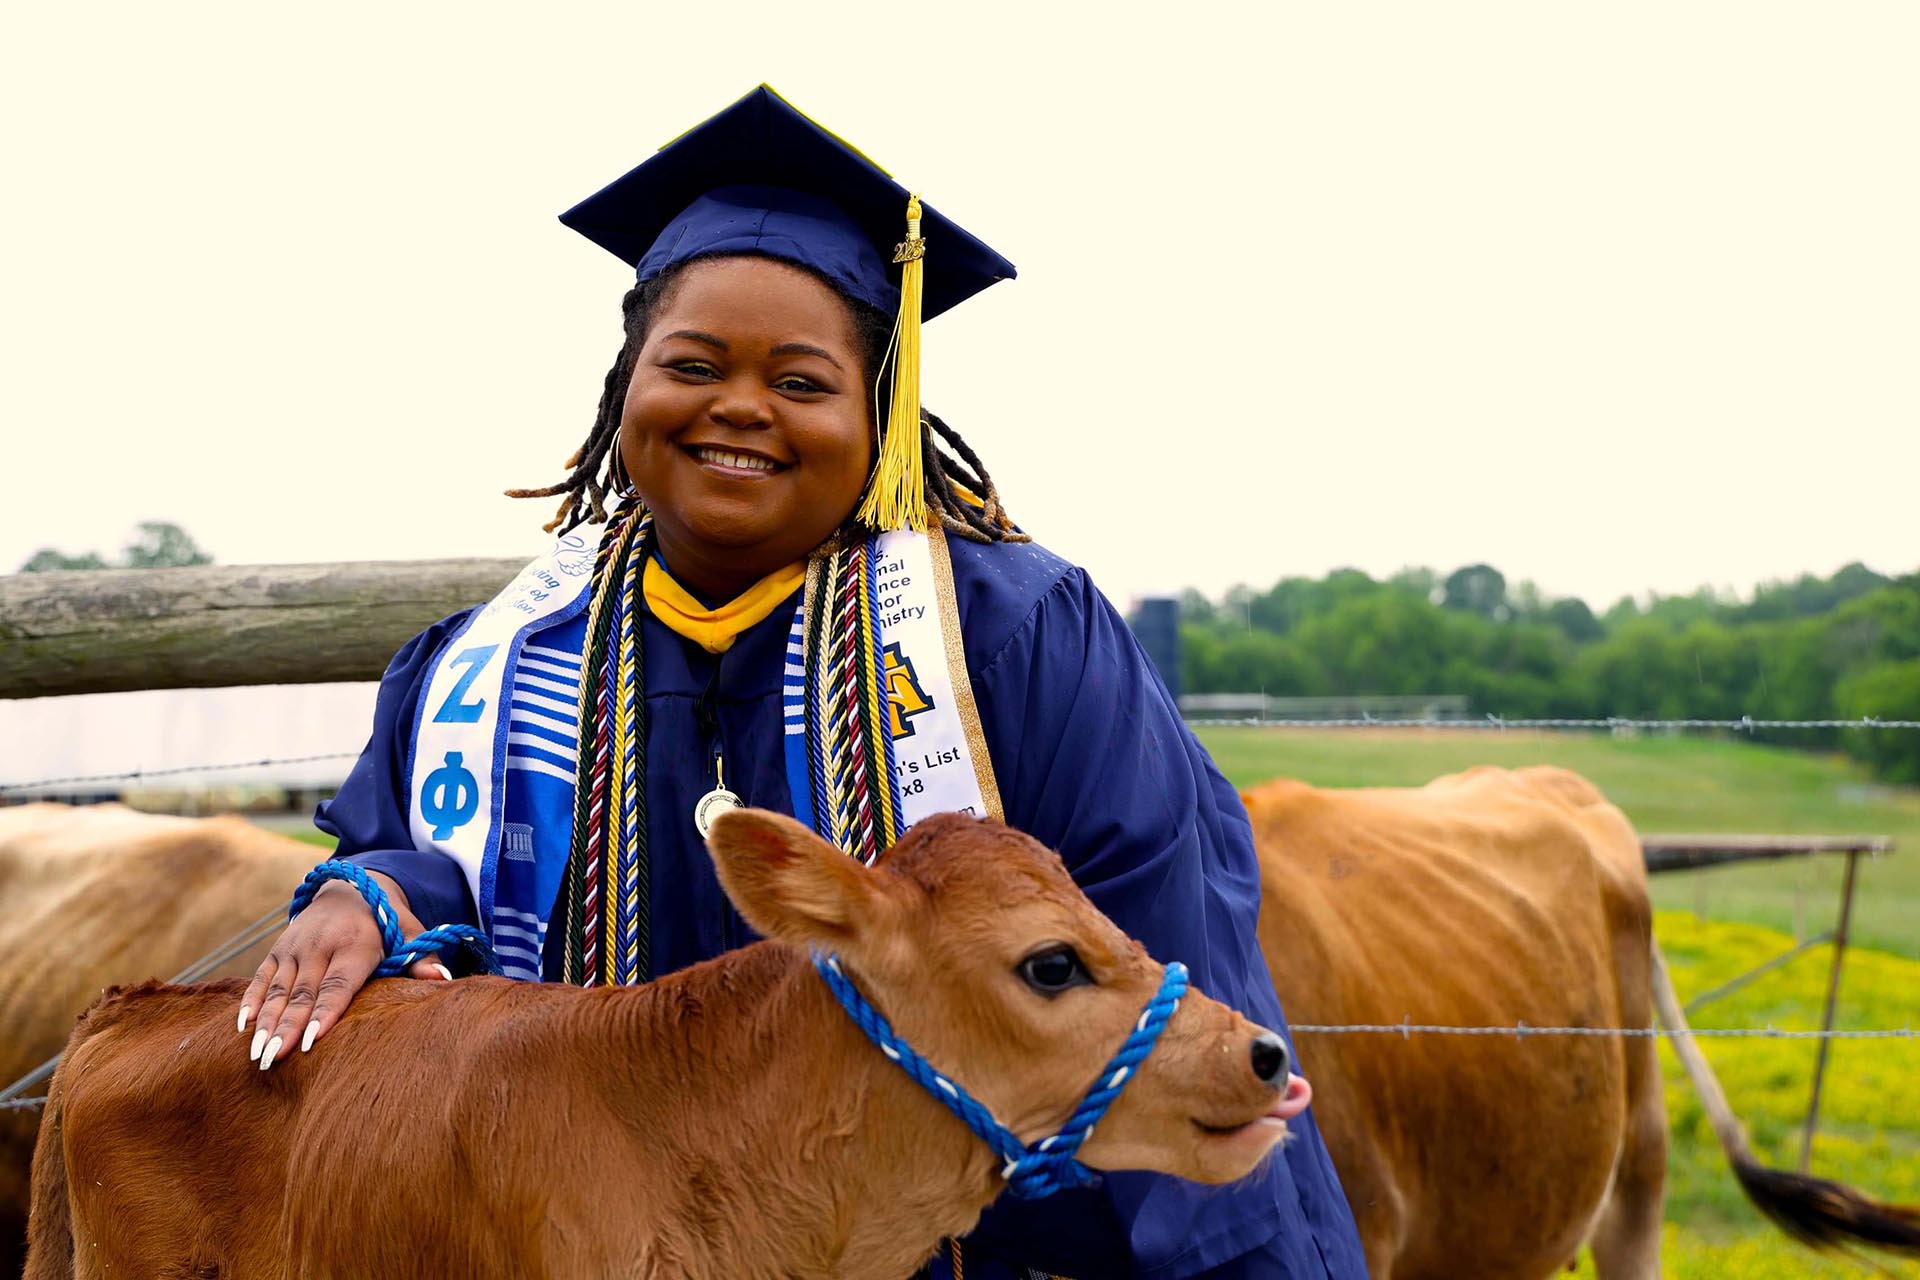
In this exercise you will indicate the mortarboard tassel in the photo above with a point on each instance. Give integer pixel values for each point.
(897, 496)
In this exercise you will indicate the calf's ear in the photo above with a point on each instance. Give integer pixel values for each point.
(790, 884)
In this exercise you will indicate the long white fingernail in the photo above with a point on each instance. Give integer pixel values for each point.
(445, 972)
(266, 1057)
(306, 1038)
(245, 1013)
(259, 1039)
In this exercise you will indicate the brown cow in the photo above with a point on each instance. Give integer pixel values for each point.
(104, 895)
(728, 1120)
(1490, 898)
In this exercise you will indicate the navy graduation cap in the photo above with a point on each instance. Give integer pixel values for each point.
(761, 178)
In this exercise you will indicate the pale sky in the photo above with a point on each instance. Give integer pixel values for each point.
(1616, 297)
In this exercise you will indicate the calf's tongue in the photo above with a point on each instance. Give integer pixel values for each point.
(1292, 1100)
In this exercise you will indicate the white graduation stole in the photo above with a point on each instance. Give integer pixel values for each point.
(459, 758)
(940, 760)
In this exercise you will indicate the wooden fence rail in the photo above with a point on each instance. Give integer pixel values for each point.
(102, 631)
(1688, 852)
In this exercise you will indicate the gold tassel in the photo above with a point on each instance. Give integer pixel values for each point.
(897, 497)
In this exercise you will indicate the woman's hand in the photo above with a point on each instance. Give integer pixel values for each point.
(313, 972)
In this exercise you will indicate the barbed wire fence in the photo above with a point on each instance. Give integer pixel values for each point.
(1406, 1030)
(11, 1099)
(1745, 724)
(174, 771)
(1521, 1031)
(1490, 722)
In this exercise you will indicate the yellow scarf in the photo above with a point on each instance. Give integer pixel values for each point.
(715, 629)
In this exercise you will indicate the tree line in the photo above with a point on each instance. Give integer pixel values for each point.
(1813, 648)
(156, 544)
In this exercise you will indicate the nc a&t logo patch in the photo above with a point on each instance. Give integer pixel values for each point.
(905, 698)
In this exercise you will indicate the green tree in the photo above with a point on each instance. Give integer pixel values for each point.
(159, 544)
(1724, 675)
(1418, 579)
(1515, 652)
(1291, 601)
(1888, 691)
(1526, 600)
(1703, 605)
(1883, 624)
(1622, 611)
(1476, 588)
(1793, 674)
(48, 560)
(1809, 595)
(1575, 621)
(1389, 642)
(1641, 669)
(1241, 661)
(163, 545)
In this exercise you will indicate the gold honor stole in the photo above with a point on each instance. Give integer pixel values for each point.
(880, 723)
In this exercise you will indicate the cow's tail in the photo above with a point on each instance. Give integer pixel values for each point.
(1812, 1210)
(50, 1212)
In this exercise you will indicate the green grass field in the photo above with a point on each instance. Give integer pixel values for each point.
(1665, 784)
(1870, 1111)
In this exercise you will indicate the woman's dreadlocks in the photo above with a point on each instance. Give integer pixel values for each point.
(960, 493)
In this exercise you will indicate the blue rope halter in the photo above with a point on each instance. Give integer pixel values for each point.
(1048, 1165)
(401, 953)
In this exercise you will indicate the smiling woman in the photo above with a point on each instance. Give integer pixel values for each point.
(750, 449)
(805, 596)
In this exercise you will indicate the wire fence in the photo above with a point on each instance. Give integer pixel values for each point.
(1744, 724)
(137, 775)
(1521, 1031)
(1407, 1030)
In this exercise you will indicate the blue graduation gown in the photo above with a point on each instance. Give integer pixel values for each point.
(1091, 758)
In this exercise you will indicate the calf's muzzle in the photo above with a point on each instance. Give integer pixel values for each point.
(1270, 1058)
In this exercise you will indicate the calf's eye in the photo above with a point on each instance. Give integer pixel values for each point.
(1053, 970)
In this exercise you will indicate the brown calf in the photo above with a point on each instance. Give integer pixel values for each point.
(729, 1120)
(1485, 899)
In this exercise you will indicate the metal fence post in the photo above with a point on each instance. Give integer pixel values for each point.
(1826, 1019)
